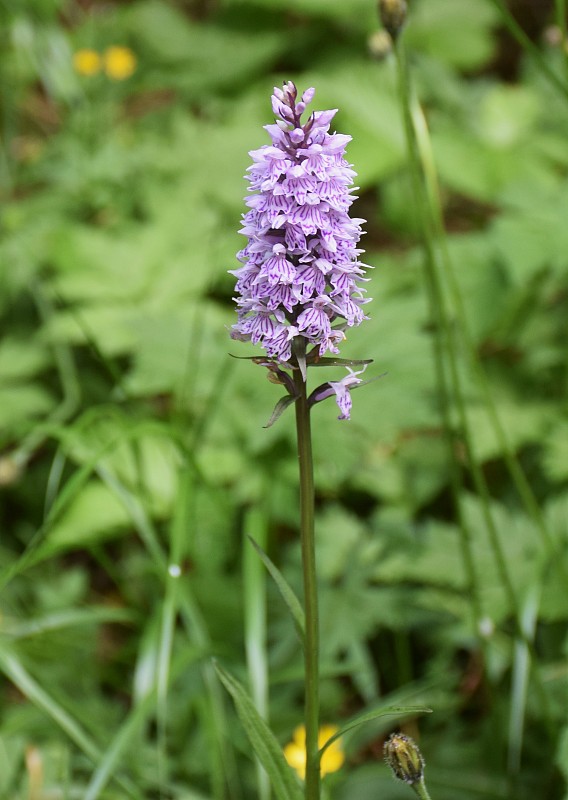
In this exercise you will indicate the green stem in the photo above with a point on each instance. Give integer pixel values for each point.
(518, 476)
(441, 334)
(530, 47)
(421, 790)
(445, 336)
(562, 23)
(311, 641)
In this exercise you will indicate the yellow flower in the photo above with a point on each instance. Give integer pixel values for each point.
(295, 751)
(120, 63)
(86, 62)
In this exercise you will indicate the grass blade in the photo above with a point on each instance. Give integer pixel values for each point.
(254, 581)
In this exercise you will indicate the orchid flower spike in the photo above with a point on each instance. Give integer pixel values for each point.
(301, 271)
(300, 283)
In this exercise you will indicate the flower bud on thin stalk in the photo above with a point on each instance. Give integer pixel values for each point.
(406, 762)
(300, 283)
(393, 16)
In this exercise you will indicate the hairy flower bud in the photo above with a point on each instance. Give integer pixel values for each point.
(393, 15)
(404, 758)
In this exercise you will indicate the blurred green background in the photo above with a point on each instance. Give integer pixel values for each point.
(131, 444)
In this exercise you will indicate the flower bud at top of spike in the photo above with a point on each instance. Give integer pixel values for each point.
(290, 87)
(393, 15)
(308, 95)
(404, 758)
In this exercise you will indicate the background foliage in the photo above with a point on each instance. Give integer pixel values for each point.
(133, 458)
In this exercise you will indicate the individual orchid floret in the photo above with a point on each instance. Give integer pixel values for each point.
(342, 391)
(301, 274)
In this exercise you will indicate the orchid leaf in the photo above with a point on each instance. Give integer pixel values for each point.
(280, 407)
(284, 588)
(258, 359)
(326, 361)
(264, 744)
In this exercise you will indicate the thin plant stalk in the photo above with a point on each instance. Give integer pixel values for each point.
(530, 47)
(445, 335)
(421, 790)
(516, 472)
(562, 23)
(439, 323)
(311, 639)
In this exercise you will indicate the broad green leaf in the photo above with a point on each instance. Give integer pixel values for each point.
(531, 235)
(523, 422)
(95, 514)
(282, 777)
(484, 289)
(143, 457)
(368, 111)
(201, 52)
(21, 359)
(507, 114)
(458, 33)
(21, 402)
(357, 12)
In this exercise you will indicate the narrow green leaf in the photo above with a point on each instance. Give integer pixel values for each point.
(252, 358)
(520, 678)
(370, 380)
(294, 605)
(19, 629)
(11, 666)
(269, 752)
(108, 763)
(28, 686)
(360, 719)
(254, 584)
(301, 357)
(326, 361)
(280, 407)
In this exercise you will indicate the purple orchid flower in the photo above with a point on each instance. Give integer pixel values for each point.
(342, 391)
(301, 271)
(300, 279)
